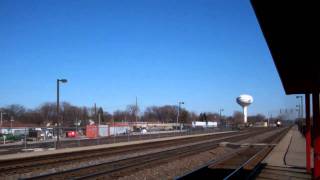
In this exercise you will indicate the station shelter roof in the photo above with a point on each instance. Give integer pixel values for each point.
(291, 30)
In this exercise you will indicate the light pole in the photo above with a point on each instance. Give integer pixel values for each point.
(179, 104)
(58, 110)
(301, 106)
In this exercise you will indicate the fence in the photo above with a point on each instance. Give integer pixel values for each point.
(14, 140)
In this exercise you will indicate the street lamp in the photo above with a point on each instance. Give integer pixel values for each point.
(58, 109)
(301, 105)
(179, 104)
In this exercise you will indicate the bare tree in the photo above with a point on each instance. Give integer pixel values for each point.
(238, 117)
(15, 110)
(122, 116)
(164, 114)
(256, 118)
(107, 117)
(133, 111)
(48, 112)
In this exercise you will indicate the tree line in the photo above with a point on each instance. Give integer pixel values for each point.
(46, 115)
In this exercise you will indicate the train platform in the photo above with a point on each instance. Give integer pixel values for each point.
(288, 159)
(97, 147)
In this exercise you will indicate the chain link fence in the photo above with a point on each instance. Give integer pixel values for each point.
(14, 140)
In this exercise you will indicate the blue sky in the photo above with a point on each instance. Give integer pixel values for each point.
(204, 52)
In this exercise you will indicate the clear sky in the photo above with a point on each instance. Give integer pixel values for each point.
(203, 52)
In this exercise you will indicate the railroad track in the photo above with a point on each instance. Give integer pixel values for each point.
(25, 165)
(254, 162)
(240, 164)
(124, 166)
(12, 149)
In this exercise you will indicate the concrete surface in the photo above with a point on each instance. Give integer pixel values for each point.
(290, 151)
(286, 173)
(296, 155)
(287, 160)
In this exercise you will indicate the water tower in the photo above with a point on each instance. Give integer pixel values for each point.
(244, 100)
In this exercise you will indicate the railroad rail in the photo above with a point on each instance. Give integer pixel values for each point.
(124, 166)
(25, 165)
(18, 148)
(243, 163)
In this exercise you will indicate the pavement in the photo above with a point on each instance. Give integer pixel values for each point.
(287, 160)
(296, 156)
(290, 151)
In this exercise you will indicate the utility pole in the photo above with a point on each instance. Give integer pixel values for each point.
(11, 121)
(76, 125)
(298, 110)
(300, 106)
(220, 116)
(179, 103)
(136, 110)
(95, 112)
(1, 114)
(99, 117)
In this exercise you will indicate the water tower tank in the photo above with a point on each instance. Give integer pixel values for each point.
(244, 100)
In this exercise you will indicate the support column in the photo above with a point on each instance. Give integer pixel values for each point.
(245, 114)
(308, 134)
(316, 138)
